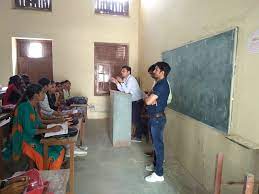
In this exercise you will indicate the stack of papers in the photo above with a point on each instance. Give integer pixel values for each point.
(63, 131)
(4, 122)
(75, 111)
(65, 112)
(72, 111)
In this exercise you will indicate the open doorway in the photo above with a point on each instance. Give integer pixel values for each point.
(34, 58)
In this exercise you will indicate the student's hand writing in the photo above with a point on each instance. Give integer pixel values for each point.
(66, 116)
(69, 119)
(69, 123)
(62, 119)
(56, 128)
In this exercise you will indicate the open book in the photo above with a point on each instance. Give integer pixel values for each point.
(63, 131)
(72, 111)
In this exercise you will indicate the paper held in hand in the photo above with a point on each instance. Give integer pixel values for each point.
(63, 131)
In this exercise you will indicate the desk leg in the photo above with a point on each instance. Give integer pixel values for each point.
(45, 156)
(84, 124)
(1, 147)
(1, 142)
(82, 132)
(71, 166)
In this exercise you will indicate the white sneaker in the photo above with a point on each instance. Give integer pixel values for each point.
(136, 140)
(77, 152)
(150, 168)
(154, 178)
(84, 148)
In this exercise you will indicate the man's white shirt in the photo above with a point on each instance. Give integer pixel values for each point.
(131, 86)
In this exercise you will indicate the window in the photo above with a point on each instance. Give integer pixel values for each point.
(35, 50)
(112, 7)
(108, 60)
(44, 5)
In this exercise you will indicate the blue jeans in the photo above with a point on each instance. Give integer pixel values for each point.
(157, 126)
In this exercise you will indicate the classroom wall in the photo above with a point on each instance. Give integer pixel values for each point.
(73, 28)
(167, 24)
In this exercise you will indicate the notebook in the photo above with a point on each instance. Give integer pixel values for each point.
(63, 131)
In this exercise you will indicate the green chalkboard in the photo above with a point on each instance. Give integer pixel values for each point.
(201, 79)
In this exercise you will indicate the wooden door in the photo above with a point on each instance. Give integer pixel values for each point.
(35, 68)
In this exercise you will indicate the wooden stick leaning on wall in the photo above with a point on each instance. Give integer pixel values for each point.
(218, 174)
(248, 183)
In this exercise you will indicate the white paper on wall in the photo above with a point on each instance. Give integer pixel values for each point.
(253, 43)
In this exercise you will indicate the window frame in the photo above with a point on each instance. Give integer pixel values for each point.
(112, 13)
(111, 65)
(15, 6)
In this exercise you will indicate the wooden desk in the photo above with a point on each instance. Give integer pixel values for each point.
(71, 141)
(4, 131)
(2, 94)
(4, 122)
(4, 116)
(83, 127)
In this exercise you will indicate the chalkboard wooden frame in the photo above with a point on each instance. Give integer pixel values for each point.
(170, 57)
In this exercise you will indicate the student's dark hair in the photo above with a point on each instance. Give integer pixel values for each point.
(15, 80)
(44, 82)
(25, 77)
(30, 91)
(151, 68)
(126, 67)
(52, 82)
(67, 81)
(163, 66)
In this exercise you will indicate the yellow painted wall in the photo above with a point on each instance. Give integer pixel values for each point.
(168, 24)
(74, 28)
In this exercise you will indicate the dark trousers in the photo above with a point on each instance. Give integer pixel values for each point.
(157, 126)
(136, 117)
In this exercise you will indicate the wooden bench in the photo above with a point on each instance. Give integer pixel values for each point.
(71, 141)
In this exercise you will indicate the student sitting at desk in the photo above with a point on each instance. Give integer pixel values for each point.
(25, 81)
(52, 95)
(66, 89)
(13, 92)
(45, 117)
(26, 127)
(44, 105)
(59, 94)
